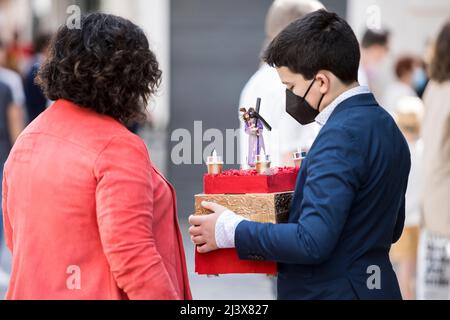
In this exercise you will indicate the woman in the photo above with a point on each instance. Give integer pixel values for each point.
(434, 247)
(87, 214)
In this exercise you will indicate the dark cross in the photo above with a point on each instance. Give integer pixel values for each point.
(255, 114)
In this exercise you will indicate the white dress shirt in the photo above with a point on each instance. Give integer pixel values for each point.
(323, 117)
(228, 221)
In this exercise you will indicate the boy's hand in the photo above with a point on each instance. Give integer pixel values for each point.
(203, 230)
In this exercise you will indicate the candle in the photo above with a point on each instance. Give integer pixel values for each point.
(214, 163)
(298, 157)
(263, 163)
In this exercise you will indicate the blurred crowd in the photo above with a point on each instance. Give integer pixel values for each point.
(21, 100)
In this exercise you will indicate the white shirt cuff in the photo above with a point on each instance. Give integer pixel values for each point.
(225, 229)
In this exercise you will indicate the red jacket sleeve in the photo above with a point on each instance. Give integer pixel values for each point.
(124, 199)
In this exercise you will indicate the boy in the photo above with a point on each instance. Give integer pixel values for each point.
(349, 203)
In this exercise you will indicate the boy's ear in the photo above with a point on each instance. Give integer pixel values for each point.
(324, 82)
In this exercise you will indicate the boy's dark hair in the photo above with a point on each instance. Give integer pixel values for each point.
(106, 66)
(375, 37)
(320, 40)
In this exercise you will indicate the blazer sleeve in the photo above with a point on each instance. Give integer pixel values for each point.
(332, 179)
(124, 197)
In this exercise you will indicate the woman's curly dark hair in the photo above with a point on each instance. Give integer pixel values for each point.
(106, 66)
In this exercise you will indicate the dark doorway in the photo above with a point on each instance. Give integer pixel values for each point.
(214, 50)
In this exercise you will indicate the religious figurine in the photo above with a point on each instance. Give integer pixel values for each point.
(254, 126)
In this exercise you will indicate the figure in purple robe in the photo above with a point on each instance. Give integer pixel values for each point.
(254, 128)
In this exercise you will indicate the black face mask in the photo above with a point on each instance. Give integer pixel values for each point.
(299, 109)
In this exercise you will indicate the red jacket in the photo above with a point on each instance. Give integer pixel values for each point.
(87, 215)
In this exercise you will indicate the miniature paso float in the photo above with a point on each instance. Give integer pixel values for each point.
(260, 193)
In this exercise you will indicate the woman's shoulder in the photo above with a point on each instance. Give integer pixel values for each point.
(69, 122)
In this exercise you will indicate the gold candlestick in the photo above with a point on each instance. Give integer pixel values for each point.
(263, 163)
(214, 163)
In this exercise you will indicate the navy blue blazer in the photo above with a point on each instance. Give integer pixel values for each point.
(348, 209)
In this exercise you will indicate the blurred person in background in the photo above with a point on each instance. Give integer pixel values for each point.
(420, 77)
(287, 136)
(87, 215)
(11, 120)
(405, 71)
(408, 115)
(11, 78)
(374, 49)
(17, 54)
(36, 101)
(7, 138)
(434, 245)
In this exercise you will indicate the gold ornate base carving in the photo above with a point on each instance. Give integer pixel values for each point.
(260, 207)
